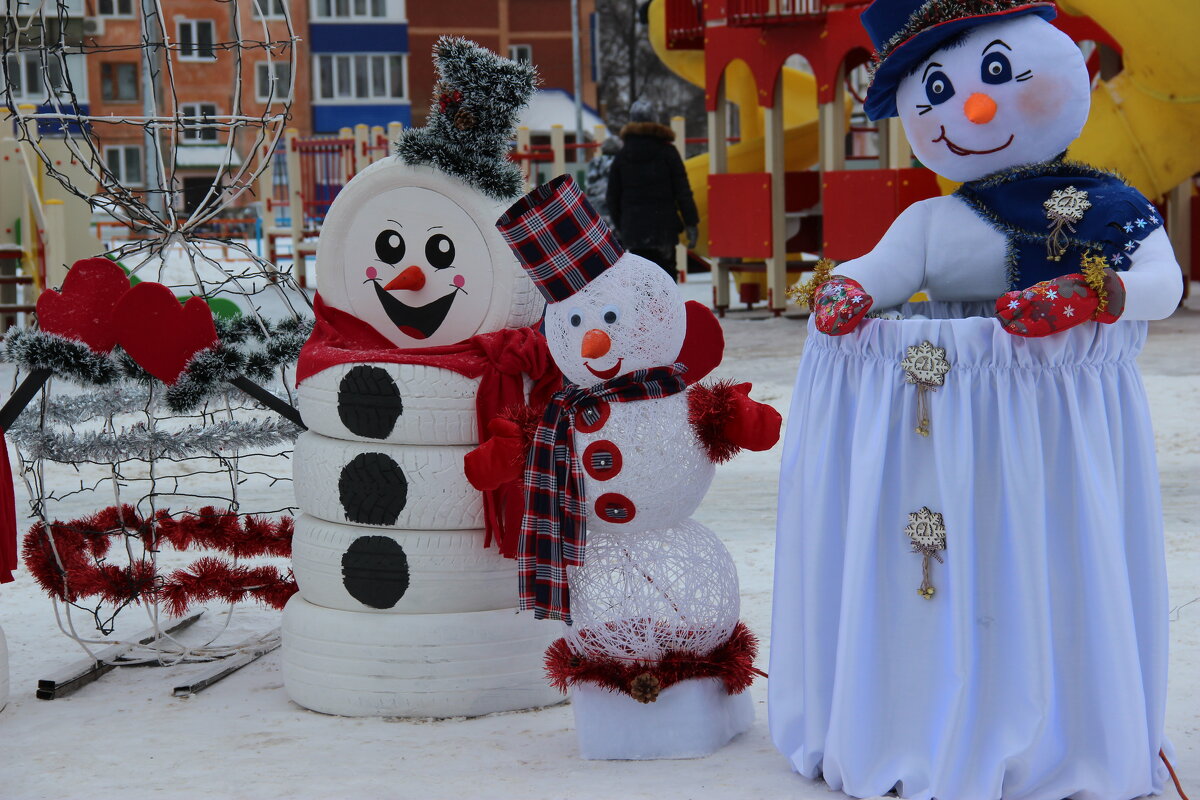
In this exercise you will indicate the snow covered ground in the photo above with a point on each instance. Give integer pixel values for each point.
(127, 736)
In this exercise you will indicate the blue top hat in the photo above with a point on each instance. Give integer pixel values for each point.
(905, 32)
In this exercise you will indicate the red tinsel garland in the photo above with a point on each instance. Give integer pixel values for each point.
(82, 544)
(732, 663)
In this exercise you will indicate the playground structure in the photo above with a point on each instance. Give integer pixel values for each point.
(764, 205)
(43, 227)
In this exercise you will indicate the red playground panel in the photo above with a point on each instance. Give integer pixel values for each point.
(869, 201)
(739, 215)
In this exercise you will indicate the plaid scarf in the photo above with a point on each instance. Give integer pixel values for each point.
(553, 530)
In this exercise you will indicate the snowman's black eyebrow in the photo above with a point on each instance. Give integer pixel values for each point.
(434, 228)
(999, 42)
(928, 67)
(394, 221)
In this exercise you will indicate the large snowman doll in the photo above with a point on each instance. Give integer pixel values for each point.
(970, 592)
(614, 466)
(406, 602)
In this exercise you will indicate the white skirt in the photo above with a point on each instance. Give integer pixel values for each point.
(1038, 668)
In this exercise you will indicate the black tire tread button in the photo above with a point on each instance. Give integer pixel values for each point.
(602, 460)
(369, 402)
(375, 571)
(373, 489)
(592, 417)
(613, 507)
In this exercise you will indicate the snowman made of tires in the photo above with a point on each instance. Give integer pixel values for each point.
(403, 609)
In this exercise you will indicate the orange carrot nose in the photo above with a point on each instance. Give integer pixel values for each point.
(980, 108)
(595, 344)
(412, 278)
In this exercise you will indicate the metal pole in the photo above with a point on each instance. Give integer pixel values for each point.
(577, 64)
(151, 64)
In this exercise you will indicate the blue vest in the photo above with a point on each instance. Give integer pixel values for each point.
(1011, 201)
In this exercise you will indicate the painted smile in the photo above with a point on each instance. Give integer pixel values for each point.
(419, 322)
(962, 151)
(605, 374)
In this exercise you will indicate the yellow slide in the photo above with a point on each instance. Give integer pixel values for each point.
(1144, 123)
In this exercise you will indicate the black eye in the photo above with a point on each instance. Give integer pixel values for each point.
(576, 319)
(996, 69)
(440, 251)
(938, 88)
(611, 314)
(389, 247)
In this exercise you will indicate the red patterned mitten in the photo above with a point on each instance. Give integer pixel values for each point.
(840, 304)
(1059, 304)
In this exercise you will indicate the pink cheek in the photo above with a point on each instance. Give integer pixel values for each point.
(924, 128)
(372, 273)
(459, 281)
(1042, 100)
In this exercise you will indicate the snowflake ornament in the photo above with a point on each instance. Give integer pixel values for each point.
(1069, 204)
(927, 531)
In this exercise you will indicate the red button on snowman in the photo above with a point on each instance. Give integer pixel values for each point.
(615, 465)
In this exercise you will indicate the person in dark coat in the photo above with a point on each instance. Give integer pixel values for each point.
(648, 194)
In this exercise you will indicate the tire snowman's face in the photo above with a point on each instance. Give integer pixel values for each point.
(417, 268)
(1009, 93)
(414, 254)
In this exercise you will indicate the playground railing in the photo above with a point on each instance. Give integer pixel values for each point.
(685, 24)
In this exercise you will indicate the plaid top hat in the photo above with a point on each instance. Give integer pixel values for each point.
(559, 238)
(905, 32)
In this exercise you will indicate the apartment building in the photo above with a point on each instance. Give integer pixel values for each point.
(536, 31)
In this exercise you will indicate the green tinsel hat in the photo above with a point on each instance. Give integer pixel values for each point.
(476, 103)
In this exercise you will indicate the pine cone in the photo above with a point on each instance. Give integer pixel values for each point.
(464, 119)
(644, 688)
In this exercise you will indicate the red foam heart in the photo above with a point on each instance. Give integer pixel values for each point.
(83, 308)
(158, 333)
(703, 342)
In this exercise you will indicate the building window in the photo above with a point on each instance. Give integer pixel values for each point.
(28, 80)
(114, 8)
(125, 163)
(268, 9)
(521, 52)
(281, 71)
(197, 122)
(119, 82)
(196, 39)
(360, 77)
(354, 9)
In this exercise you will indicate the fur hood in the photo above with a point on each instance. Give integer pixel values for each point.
(652, 129)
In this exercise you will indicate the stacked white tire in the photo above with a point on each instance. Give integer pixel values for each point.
(401, 610)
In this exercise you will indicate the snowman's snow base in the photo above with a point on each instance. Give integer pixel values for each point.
(3, 671)
(691, 719)
(414, 665)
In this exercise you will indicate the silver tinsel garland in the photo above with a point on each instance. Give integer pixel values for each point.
(141, 443)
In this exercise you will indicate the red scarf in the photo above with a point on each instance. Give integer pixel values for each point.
(498, 359)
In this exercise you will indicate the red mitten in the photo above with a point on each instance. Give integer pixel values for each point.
(753, 425)
(840, 304)
(1059, 304)
(498, 460)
